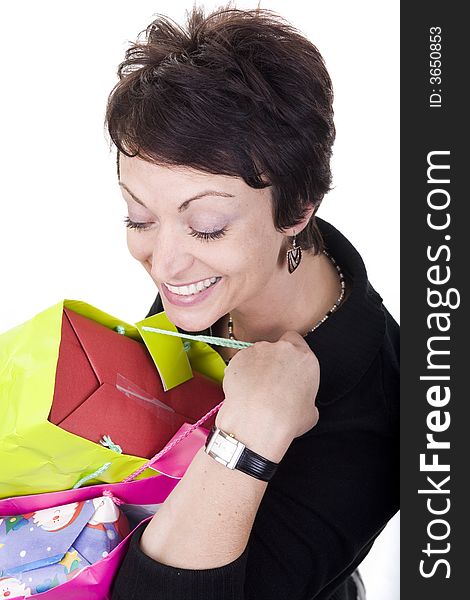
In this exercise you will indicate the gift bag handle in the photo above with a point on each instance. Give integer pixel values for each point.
(216, 341)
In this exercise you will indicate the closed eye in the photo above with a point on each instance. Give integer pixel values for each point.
(208, 235)
(134, 225)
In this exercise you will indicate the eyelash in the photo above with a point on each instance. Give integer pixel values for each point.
(207, 236)
(200, 235)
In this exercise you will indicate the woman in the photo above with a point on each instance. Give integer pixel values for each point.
(224, 135)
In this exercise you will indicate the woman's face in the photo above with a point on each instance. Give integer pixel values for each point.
(208, 241)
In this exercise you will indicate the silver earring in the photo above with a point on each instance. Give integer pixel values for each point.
(294, 256)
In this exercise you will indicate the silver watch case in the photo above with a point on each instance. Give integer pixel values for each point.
(224, 448)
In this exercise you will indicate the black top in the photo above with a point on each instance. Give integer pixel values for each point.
(337, 485)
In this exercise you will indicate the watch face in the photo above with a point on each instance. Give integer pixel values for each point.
(223, 448)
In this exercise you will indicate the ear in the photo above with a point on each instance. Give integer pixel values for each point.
(302, 225)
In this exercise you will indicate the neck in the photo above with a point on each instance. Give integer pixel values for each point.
(290, 302)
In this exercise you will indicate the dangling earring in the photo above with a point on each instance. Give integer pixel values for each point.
(294, 256)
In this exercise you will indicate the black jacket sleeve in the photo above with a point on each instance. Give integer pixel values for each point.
(142, 577)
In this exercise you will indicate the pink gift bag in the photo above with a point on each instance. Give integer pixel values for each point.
(94, 581)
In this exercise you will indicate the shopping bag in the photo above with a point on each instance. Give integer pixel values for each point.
(93, 581)
(44, 548)
(74, 376)
(96, 390)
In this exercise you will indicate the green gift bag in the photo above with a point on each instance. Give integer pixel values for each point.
(37, 456)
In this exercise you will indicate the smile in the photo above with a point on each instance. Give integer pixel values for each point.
(193, 288)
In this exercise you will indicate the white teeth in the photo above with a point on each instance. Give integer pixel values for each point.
(194, 288)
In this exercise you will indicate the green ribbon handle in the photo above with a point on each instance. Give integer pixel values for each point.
(208, 339)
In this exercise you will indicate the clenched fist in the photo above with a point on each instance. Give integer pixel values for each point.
(270, 390)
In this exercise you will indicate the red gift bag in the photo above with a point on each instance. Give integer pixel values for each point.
(107, 384)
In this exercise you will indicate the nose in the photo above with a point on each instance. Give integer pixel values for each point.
(171, 258)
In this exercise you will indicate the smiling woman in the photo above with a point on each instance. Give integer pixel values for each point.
(224, 132)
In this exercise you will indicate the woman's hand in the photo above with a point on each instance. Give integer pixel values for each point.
(271, 387)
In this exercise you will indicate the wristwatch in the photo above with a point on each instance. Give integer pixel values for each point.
(231, 453)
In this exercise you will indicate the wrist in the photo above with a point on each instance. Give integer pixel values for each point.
(271, 442)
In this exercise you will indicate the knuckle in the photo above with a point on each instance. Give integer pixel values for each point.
(285, 345)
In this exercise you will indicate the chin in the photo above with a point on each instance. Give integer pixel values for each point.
(188, 322)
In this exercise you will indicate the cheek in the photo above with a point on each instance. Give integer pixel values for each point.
(252, 257)
(139, 247)
(261, 249)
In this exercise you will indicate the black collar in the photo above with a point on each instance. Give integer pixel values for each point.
(348, 341)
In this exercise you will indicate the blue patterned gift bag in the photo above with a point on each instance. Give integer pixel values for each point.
(41, 550)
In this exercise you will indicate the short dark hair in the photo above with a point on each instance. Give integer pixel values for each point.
(240, 93)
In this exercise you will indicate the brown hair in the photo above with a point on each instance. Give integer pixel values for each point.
(240, 93)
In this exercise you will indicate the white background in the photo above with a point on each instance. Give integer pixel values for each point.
(62, 234)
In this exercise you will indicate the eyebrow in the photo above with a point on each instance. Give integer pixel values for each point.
(187, 202)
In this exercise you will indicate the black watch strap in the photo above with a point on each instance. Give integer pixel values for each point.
(255, 465)
(251, 463)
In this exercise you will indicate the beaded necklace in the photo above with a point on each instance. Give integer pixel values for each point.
(322, 320)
